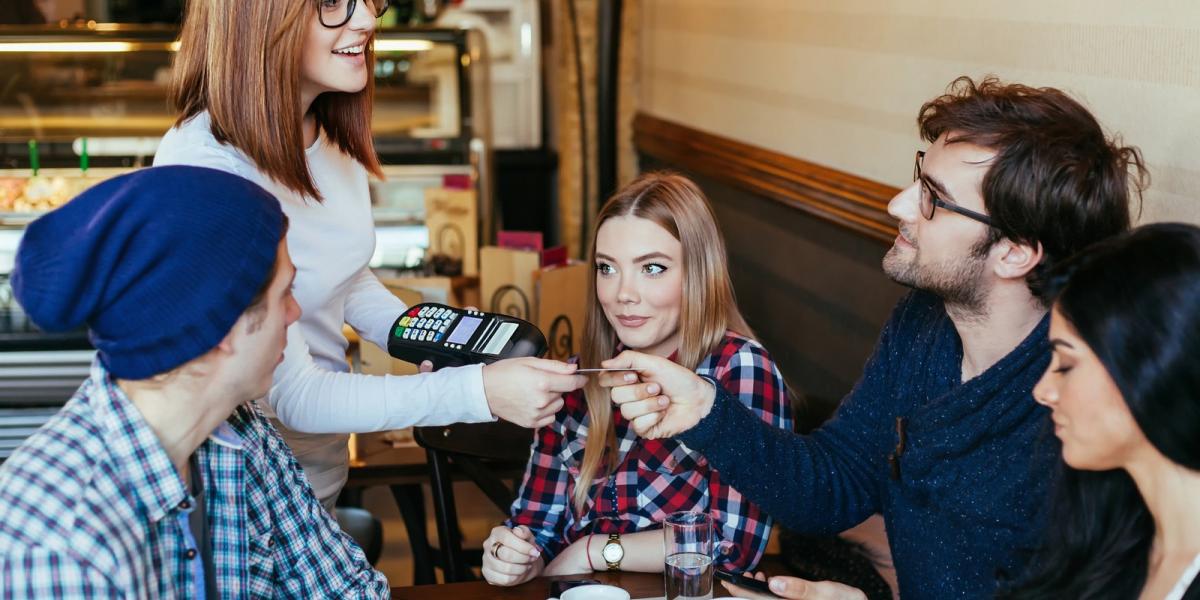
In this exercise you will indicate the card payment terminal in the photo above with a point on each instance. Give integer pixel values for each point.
(451, 337)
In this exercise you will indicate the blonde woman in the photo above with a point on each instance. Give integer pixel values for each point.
(279, 92)
(594, 494)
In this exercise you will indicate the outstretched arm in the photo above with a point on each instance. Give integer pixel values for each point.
(820, 483)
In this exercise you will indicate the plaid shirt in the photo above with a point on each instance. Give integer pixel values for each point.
(90, 507)
(654, 478)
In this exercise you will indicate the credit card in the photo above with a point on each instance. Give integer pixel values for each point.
(603, 370)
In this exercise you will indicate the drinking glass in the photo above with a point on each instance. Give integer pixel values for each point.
(689, 551)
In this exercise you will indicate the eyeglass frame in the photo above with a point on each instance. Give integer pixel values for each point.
(935, 202)
(353, 4)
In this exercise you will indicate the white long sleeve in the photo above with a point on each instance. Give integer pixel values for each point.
(316, 400)
(309, 399)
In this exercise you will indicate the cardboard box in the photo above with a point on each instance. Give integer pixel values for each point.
(562, 307)
(506, 281)
(512, 282)
(452, 217)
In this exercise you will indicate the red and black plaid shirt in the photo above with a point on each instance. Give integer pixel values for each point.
(654, 478)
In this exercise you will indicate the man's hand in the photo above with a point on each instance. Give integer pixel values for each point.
(663, 400)
(528, 391)
(510, 557)
(799, 589)
(572, 561)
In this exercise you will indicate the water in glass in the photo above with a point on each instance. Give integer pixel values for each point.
(689, 550)
(689, 576)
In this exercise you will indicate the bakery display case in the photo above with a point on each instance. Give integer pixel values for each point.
(82, 103)
(79, 104)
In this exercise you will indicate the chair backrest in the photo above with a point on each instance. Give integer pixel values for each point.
(486, 453)
(364, 527)
(498, 441)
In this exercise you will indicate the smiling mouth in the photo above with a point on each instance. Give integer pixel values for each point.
(351, 50)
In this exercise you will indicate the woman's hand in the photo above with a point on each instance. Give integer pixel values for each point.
(572, 561)
(799, 589)
(510, 556)
(528, 391)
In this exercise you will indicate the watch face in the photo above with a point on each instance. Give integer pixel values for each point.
(613, 552)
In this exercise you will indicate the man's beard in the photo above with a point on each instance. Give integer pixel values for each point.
(959, 282)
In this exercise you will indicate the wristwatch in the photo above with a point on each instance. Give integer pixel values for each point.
(613, 552)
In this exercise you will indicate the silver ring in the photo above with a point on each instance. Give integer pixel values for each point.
(496, 550)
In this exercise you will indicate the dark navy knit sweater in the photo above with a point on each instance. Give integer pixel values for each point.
(963, 499)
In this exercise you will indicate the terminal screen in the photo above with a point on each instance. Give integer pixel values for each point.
(462, 332)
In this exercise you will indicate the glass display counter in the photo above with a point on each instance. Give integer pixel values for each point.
(82, 103)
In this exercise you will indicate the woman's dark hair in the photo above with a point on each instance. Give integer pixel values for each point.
(1135, 301)
(1056, 178)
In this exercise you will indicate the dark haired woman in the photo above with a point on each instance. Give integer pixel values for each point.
(286, 103)
(1124, 388)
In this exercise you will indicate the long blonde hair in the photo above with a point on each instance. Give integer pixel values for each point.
(708, 308)
(240, 60)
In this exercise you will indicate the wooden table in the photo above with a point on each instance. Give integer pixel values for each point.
(639, 585)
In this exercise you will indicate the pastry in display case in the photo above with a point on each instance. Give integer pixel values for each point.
(36, 193)
(23, 198)
(61, 87)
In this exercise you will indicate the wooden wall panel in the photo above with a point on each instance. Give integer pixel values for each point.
(852, 202)
(805, 244)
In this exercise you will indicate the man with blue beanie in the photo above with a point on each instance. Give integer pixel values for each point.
(160, 478)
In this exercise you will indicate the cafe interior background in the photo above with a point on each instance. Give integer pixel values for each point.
(797, 117)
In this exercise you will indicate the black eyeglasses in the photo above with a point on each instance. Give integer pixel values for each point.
(335, 13)
(930, 200)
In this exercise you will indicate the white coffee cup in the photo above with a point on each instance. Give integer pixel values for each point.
(594, 592)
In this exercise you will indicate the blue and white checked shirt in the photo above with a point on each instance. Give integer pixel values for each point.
(90, 506)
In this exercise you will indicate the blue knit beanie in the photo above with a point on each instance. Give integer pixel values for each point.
(159, 264)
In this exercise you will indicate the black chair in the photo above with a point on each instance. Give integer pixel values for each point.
(405, 481)
(361, 525)
(489, 455)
